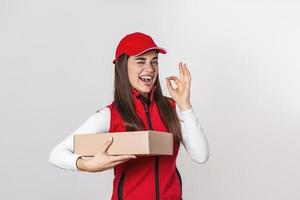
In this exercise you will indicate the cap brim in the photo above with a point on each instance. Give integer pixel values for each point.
(160, 50)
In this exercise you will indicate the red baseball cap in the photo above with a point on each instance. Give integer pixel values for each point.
(135, 44)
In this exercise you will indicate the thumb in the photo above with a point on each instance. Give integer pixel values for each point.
(169, 85)
(106, 145)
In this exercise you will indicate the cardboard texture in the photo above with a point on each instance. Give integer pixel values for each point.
(135, 142)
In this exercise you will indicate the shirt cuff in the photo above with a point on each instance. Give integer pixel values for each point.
(188, 115)
(73, 161)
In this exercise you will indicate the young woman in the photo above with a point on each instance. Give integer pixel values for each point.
(140, 105)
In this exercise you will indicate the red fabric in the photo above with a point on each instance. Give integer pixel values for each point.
(135, 44)
(139, 179)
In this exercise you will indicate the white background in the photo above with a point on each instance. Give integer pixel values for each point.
(56, 71)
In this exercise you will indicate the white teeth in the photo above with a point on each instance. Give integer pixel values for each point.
(146, 78)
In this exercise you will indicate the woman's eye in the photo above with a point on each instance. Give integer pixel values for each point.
(153, 63)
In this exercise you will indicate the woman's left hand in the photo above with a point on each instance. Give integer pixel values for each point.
(181, 94)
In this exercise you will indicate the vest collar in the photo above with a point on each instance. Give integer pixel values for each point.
(136, 94)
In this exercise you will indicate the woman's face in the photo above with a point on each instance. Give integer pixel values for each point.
(143, 70)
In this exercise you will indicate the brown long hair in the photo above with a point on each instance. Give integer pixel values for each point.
(124, 102)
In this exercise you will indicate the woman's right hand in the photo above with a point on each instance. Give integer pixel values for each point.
(102, 161)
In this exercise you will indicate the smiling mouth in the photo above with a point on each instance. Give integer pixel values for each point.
(147, 80)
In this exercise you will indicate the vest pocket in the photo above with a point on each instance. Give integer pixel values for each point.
(120, 186)
(180, 181)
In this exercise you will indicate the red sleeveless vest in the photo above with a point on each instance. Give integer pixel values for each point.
(147, 177)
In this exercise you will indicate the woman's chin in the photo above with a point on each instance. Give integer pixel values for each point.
(145, 89)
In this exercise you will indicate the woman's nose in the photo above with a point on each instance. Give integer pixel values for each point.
(149, 67)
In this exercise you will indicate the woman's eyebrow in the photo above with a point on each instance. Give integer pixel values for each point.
(142, 58)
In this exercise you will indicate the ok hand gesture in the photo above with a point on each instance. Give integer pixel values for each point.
(181, 94)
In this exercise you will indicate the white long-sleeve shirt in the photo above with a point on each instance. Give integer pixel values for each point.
(194, 140)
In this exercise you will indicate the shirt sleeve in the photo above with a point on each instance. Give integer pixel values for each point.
(194, 139)
(63, 156)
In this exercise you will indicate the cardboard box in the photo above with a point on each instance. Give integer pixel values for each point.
(135, 142)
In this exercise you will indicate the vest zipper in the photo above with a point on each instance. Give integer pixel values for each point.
(120, 186)
(156, 157)
(148, 115)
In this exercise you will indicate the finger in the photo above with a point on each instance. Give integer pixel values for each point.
(180, 70)
(122, 157)
(119, 162)
(188, 73)
(107, 145)
(174, 78)
(169, 85)
(184, 68)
